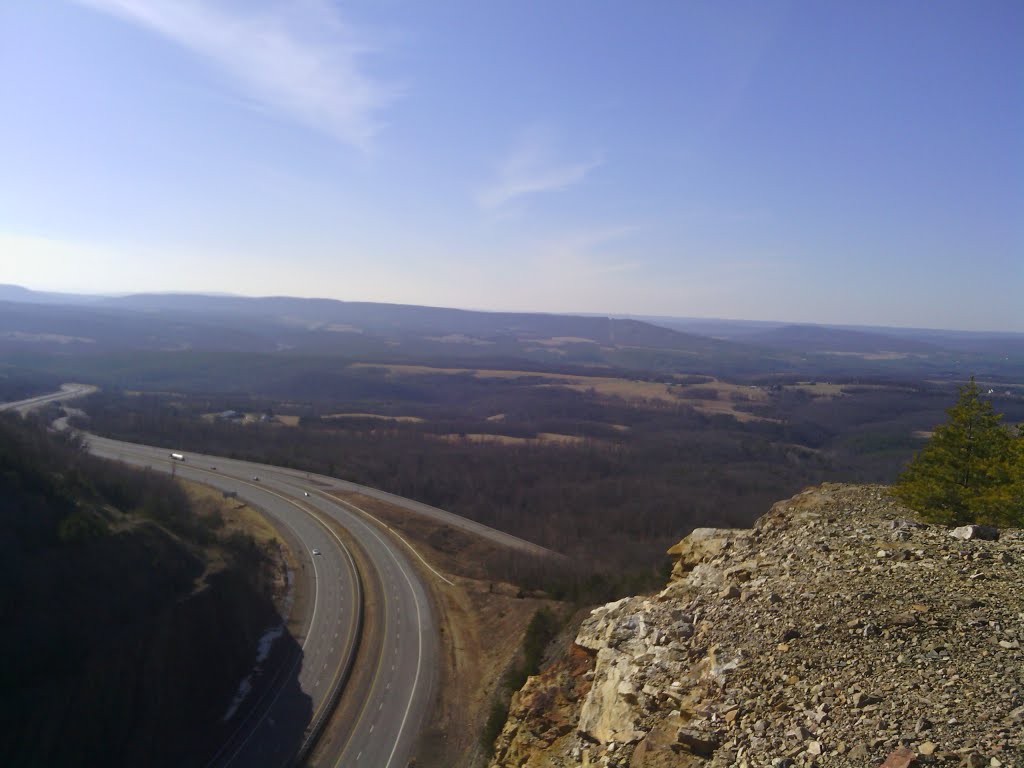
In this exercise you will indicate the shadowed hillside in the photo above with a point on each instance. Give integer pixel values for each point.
(121, 645)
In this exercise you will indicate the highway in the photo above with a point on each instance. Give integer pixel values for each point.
(67, 392)
(393, 706)
(393, 637)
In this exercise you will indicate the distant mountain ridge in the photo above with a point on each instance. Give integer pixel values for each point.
(818, 338)
(282, 320)
(42, 325)
(815, 337)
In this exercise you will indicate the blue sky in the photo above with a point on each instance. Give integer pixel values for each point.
(858, 162)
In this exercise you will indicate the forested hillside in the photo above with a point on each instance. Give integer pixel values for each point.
(120, 646)
(562, 462)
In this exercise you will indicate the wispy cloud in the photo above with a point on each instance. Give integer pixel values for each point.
(585, 253)
(530, 168)
(298, 58)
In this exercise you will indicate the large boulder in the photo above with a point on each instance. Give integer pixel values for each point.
(703, 545)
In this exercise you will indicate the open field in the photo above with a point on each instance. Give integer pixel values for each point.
(712, 397)
(576, 463)
(542, 437)
(333, 416)
(875, 355)
(557, 341)
(282, 419)
(484, 373)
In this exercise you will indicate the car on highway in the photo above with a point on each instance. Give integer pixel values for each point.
(256, 478)
(305, 493)
(316, 551)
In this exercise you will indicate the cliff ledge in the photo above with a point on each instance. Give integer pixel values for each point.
(835, 632)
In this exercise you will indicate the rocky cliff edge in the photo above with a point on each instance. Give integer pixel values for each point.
(836, 632)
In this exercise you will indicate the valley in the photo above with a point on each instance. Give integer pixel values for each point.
(510, 489)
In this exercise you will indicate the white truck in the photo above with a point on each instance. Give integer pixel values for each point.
(178, 456)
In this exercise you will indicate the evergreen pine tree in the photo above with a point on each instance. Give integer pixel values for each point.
(970, 471)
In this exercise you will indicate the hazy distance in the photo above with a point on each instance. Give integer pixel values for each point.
(792, 162)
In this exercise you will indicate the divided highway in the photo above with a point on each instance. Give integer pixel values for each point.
(387, 700)
(394, 704)
(67, 392)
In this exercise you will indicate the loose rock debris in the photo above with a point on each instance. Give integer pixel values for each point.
(836, 632)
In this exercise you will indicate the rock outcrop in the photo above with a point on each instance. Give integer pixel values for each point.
(836, 632)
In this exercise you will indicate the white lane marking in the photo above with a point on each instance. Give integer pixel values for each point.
(141, 455)
(419, 618)
(316, 594)
(401, 539)
(409, 581)
(419, 656)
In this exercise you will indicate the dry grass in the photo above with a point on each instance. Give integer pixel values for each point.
(627, 389)
(483, 623)
(638, 393)
(557, 341)
(369, 416)
(460, 338)
(483, 373)
(283, 420)
(239, 517)
(877, 355)
(605, 385)
(819, 389)
(543, 437)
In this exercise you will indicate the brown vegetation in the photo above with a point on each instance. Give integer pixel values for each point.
(483, 618)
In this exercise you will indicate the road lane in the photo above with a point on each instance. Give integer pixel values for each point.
(301, 479)
(270, 733)
(393, 702)
(67, 392)
(400, 689)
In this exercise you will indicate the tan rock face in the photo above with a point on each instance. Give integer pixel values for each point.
(701, 545)
(611, 707)
(834, 633)
(543, 716)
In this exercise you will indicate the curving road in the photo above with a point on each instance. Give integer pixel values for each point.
(67, 392)
(384, 706)
(392, 707)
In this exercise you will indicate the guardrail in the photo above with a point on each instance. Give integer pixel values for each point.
(316, 728)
